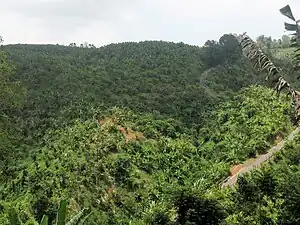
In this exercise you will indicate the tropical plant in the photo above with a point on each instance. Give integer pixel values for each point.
(77, 219)
(262, 63)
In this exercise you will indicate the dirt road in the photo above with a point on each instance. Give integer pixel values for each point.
(257, 162)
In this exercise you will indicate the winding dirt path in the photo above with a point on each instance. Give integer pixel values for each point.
(202, 77)
(253, 163)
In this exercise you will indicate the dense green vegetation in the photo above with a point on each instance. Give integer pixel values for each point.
(94, 166)
(158, 77)
(142, 133)
(12, 96)
(269, 195)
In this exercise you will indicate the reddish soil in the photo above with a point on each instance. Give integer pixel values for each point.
(105, 120)
(129, 134)
(253, 163)
(235, 169)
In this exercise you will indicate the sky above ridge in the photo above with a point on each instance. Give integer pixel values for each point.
(103, 22)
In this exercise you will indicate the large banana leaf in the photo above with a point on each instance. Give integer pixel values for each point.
(14, 217)
(286, 11)
(44, 220)
(61, 214)
(291, 27)
(263, 63)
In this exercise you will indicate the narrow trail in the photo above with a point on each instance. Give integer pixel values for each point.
(211, 93)
(253, 163)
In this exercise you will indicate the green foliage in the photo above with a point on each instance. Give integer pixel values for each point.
(154, 77)
(11, 92)
(127, 179)
(61, 214)
(271, 195)
(198, 210)
(246, 126)
(224, 51)
(12, 96)
(140, 133)
(60, 218)
(13, 217)
(44, 220)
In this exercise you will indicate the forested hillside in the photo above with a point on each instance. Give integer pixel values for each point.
(158, 77)
(140, 133)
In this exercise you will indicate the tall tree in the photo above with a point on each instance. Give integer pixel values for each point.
(230, 45)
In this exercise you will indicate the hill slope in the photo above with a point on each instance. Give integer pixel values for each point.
(131, 167)
(168, 142)
(157, 77)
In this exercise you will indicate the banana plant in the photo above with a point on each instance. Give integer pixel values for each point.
(78, 219)
(262, 63)
(295, 40)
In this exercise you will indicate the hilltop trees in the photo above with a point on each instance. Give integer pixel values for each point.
(225, 50)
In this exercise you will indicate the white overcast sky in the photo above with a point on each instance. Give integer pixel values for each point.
(103, 22)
